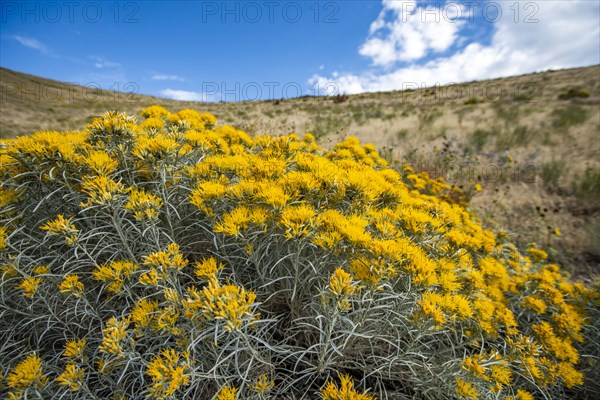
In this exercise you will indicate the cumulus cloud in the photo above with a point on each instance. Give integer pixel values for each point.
(412, 33)
(183, 95)
(565, 35)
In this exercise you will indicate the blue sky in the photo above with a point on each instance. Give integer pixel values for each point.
(228, 51)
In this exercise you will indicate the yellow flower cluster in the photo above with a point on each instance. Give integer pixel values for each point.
(342, 288)
(156, 148)
(101, 163)
(71, 286)
(3, 237)
(115, 274)
(155, 111)
(62, 227)
(537, 254)
(41, 270)
(100, 190)
(49, 149)
(74, 348)
(196, 120)
(466, 389)
(143, 205)
(240, 219)
(437, 307)
(345, 391)
(27, 374)
(263, 384)
(228, 303)
(114, 335)
(207, 268)
(521, 395)
(340, 283)
(147, 314)
(296, 220)
(535, 304)
(168, 372)
(30, 286)
(72, 377)
(161, 263)
(227, 393)
(152, 124)
(143, 313)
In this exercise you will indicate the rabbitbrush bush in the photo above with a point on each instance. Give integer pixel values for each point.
(176, 258)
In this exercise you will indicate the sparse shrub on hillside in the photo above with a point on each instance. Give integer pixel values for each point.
(324, 124)
(508, 113)
(340, 98)
(570, 115)
(362, 114)
(587, 185)
(180, 259)
(402, 134)
(428, 117)
(520, 135)
(523, 96)
(478, 139)
(551, 173)
(573, 93)
(473, 100)
(463, 111)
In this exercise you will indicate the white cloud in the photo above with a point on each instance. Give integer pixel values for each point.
(31, 43)
(567, 34)
(100, 62)
(412, 33)
(183, 95)
(166, 77)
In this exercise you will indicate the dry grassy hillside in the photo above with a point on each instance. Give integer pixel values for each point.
(532, 142)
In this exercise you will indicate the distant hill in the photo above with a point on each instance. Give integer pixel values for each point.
(32, 103)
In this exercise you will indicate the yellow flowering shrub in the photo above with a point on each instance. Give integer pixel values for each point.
(176, 258)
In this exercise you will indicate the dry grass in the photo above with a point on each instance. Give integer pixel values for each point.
(532, 141)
